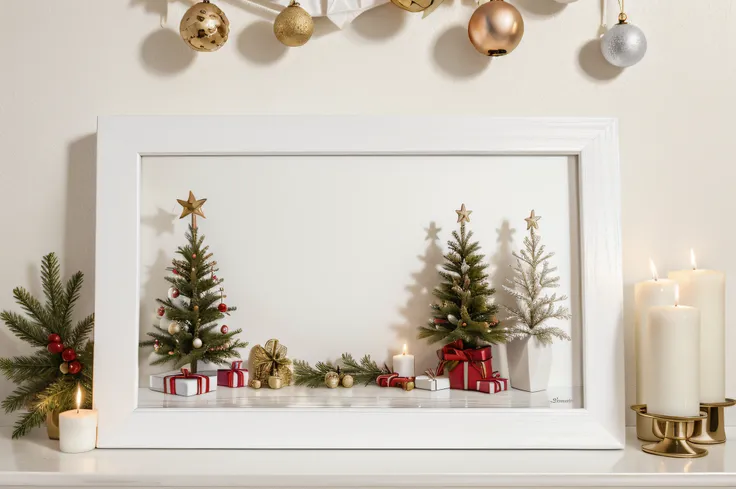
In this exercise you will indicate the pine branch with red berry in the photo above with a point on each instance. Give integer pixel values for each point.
(47, 380)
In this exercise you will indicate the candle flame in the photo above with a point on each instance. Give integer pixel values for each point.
(692, 259)
(404, 351)
(653, 269)
(79, 397)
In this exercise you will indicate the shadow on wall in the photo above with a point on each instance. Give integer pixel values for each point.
(379, 23)
(163, 53)
(257, 43)
(540, 8)
(594, 65)
(417, 311)
(456, 56)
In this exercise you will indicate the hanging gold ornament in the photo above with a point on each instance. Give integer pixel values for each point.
(294, 26)
(204, 27)
(414, 5)
(496, 28)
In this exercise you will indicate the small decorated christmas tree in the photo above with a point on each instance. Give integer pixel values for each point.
(526, 286)
(465, 310)
(189, 331)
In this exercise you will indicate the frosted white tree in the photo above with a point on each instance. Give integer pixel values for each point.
(533, 308)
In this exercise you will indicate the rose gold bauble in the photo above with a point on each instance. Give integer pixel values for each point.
(204, 27)
(496, 28)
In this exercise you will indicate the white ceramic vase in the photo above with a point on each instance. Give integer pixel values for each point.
(529, 364)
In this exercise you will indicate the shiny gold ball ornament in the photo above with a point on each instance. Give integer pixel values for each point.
(275, 382)
(413, 5)
(496, 28)
(204, 27)
(347, 381)
(294, 26)
(174, 328)
(255, 384)
(332, 380)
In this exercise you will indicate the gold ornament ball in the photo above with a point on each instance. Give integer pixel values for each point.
(255, 384)
(275, 382)
(496, 28)
(174, 328)
(64, 368)
(413, 5)
(294, 26)
(409, 386)
(332, 380)
(347, 381)
(204, 27)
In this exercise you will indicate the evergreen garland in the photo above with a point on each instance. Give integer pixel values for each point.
(41, 386)
(365, 371)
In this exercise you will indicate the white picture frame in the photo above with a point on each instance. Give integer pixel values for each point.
(123, 141)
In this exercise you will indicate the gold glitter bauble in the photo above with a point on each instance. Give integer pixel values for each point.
(496, 28)
(255, 384)
(409, 386)
(294, 26)
(347, 381)
(332, 380)
(174, 328)
(204, 27)
(413, 5)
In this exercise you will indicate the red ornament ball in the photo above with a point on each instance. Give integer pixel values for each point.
(214, 277)
(194, 255)
(223, 330)
(175, 293)
(75, 367)
(161, 311)
(175, 271)
(54, 338)
(55, 348)
(68, 354)
(222, 307)
(156, 345)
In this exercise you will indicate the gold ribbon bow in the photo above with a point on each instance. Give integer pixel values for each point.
(270, 359)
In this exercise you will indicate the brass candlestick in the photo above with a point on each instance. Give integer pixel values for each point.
(711, 431)
(673, 431)
(644, 423)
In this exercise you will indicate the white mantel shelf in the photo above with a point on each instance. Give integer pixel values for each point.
(36, 462)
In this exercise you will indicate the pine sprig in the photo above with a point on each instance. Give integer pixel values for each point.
(366, 371)
(309, 376)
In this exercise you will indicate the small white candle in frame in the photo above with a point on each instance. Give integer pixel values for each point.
(78, 428)
(404, 364)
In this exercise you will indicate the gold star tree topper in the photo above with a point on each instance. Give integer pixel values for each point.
(192, 206)
(531, 221)
(463, 215)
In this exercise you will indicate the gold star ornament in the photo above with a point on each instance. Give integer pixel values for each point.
(192, 206)
(531, 221)
(463, 215)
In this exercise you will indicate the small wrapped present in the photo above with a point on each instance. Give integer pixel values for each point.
(183, 383)
(430, 381)
(493, 386)
(235, 376)
(393, 380)
(270, 360)
(466, 366)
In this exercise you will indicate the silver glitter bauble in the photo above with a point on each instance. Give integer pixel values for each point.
(624, 45)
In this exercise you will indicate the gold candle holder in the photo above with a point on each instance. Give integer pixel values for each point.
(673, 431)
(711, 431)
(644, 423)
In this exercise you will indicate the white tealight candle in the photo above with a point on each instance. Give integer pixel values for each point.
(78, 428)
(673, 350)
(404, 364)
(706, 290)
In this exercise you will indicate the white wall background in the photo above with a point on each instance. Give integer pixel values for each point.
(330, 254)
(64, 63)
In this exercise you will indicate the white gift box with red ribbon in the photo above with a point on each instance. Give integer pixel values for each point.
(431, 384)
(184, 383)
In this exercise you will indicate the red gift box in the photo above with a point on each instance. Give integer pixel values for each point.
(235, 376)
(473, 365)
(493, 386)
(392, 380)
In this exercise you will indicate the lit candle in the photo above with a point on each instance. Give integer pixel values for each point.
(78, 428)
(673, 343)
(706, 290)
(404, 364)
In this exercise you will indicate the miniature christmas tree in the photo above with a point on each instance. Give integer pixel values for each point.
(465, 310)
(533, 308)
(190, 332)
(48, 379)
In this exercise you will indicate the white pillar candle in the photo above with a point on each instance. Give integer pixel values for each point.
(404, 364)
(647, 294)
(673, 340)
(706, 290)
(78, 428)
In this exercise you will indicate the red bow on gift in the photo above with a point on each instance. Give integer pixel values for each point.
(454, 352)
(236, 371)
(186, 374)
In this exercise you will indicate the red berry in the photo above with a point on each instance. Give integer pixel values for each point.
(214, 277)
(54, 338)
(223, 330)
(194, 255)
(161, 311)
(55, 348)
(222, 307)
(175, 271)
(175, 293)
(68, 354)
(75, 367)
